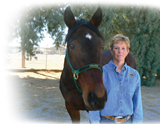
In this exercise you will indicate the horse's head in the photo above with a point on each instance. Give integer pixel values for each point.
(84, 55)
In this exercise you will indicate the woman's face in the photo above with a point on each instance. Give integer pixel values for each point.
(119, 51)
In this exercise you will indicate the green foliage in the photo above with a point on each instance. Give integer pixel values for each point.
(158, 72)
(140, 24)
(146, 49)
(83, 11)
(29, 26)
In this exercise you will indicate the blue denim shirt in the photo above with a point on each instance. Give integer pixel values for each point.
(123, 92)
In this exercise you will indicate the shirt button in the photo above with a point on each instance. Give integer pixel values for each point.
(121, 111)
(121, 74)
(120, 83)
(121, 92)
(121, 102)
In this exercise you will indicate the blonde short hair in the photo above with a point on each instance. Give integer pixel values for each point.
(120, 38)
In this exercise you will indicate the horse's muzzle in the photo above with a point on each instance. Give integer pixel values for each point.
(96, 103)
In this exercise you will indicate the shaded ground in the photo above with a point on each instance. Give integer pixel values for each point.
(151, 103)
(37, 98)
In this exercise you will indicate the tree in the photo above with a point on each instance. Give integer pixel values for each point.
(140, 24)
(28, 21)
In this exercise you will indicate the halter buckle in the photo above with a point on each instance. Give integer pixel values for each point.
(75, 75)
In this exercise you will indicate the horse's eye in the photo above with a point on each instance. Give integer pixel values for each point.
(72, 46)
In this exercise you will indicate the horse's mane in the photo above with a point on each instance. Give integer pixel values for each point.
(80, 23)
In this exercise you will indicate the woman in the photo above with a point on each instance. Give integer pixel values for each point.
(123, 86)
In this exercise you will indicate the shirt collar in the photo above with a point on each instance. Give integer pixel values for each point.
(114, 67)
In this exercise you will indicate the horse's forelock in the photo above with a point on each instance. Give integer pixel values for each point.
(80, 23)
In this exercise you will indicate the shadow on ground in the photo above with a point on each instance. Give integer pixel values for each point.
(39, 99)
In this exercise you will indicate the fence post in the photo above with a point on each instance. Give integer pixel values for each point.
(23, 59)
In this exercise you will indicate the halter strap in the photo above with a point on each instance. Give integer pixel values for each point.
(71, 30)
(80, 70)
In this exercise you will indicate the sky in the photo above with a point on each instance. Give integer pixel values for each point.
(46, 42)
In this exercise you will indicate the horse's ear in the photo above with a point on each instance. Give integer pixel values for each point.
(69, 17)
(97, 17)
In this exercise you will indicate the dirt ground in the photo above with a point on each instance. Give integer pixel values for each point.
(35, 97)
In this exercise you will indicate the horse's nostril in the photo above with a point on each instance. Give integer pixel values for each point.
(92, 97)
(97, 103)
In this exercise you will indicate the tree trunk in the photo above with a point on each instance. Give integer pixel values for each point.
(23, 59)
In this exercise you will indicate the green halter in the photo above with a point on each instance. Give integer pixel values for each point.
(80, 70)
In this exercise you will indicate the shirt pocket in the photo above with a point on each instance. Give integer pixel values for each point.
(131, 85)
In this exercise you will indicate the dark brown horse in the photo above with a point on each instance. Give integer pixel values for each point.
(107, 56)
(81, 79)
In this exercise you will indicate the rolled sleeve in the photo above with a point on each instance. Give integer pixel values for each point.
(137, 102)
(94, 117)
